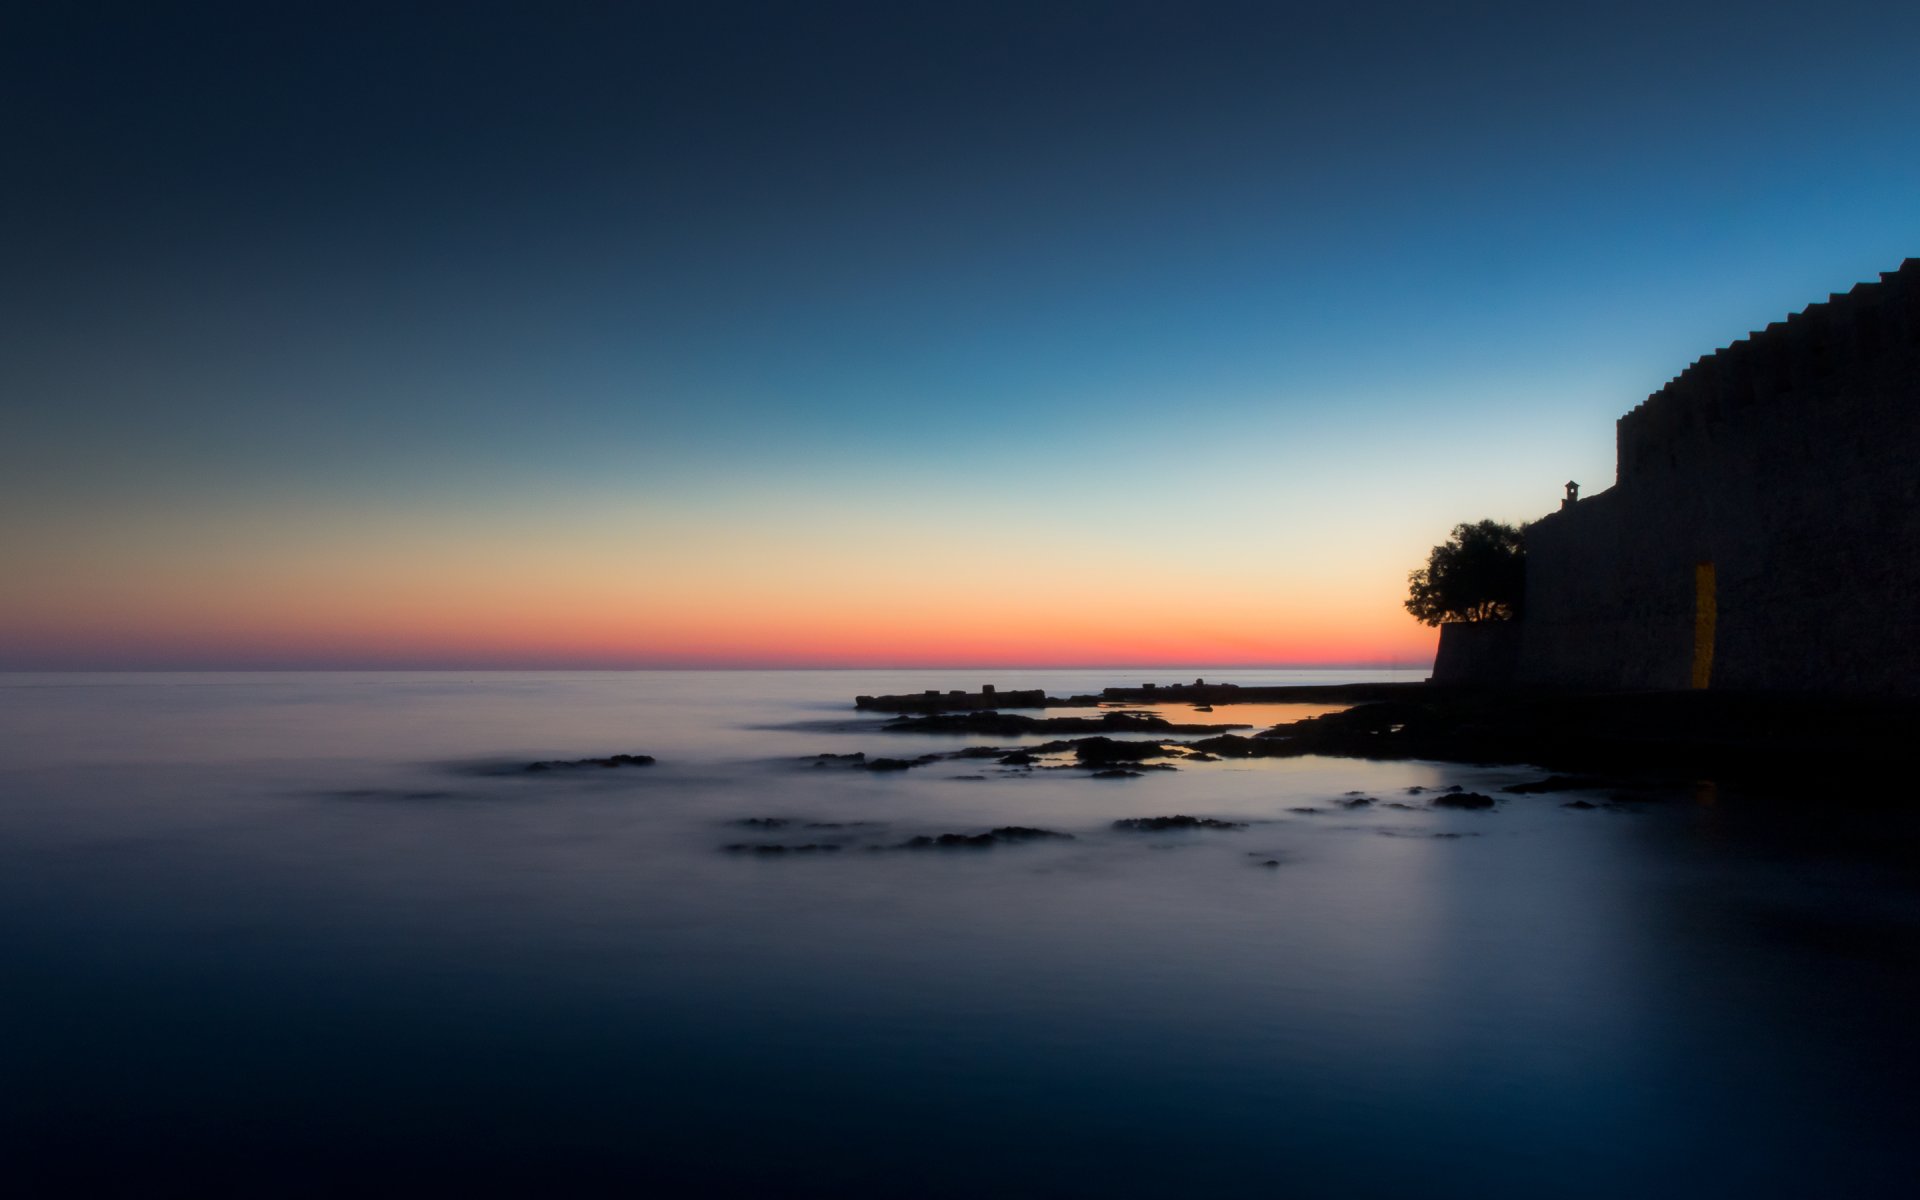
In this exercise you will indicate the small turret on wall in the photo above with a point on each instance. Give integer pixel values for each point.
(1780, 468)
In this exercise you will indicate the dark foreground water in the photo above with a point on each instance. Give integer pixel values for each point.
(287, 935)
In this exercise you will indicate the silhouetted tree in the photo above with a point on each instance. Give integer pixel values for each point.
(1478, 574)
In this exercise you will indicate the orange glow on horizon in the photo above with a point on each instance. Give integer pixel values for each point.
(786, 592)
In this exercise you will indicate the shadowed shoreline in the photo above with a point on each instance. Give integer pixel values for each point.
(1783, 740)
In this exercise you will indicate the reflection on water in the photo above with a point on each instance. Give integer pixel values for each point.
(270, 934)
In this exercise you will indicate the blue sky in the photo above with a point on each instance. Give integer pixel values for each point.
(872, 274)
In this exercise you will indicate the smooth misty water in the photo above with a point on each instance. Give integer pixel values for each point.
(272, 934)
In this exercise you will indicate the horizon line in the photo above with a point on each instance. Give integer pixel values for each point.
(309, 667)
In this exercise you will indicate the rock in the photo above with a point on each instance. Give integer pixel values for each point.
(1019, 758)
(1578, 804)
(764, 822)
(898, 764)
(858, 756)
(951, 701)
(1105, 750)
(1232, 745)
(1357, 801)
(617, 760)
(1272, 862)
(1026, 833)
(1116, 773)
(1008, 724)
(1309, 812)
(1459, 799)
(766, 848)
(1178, 821)
(1004, 835)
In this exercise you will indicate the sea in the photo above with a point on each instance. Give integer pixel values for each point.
(322, 934)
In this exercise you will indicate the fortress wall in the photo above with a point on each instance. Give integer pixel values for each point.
(1790, 461)
(1484, 653)
(1607, 606)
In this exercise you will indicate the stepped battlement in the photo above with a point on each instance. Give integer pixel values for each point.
(1865, 340)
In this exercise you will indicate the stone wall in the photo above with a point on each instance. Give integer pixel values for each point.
(1790, 461)
(1477, 652)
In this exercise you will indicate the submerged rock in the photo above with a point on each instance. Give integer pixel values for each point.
(774, 848)
(1104, 750)
(617, 760)
(898, 764)
(1027, 833)
(1004, 835)
(1177, 821)
(1233, 745)
(1006, 724)
(1459, 799)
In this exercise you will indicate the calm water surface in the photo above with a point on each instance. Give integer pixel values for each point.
(299, 934)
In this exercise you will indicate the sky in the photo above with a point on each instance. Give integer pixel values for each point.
(766, 335)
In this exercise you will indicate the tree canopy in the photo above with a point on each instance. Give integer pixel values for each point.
(1478, 574)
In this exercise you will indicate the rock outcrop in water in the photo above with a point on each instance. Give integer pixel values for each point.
(1463, 800)
(1178, 821)
(1013, 724)
(1006, 835)
(897, 764)
(767, 848)
(617, 760)
(935, 701)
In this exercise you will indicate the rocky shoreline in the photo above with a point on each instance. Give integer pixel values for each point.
(1772, 738)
